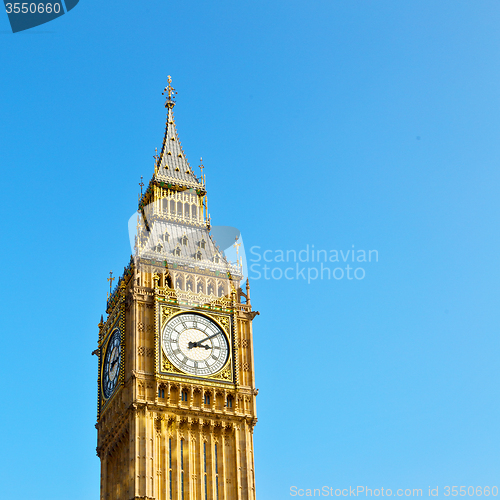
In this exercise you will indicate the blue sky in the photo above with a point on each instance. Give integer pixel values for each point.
(327, 123)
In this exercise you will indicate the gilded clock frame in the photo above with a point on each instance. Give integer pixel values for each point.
(105, 354)
(117, 323)
(165, 369)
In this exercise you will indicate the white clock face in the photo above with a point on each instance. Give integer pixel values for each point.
(111, 367)
(195, 344)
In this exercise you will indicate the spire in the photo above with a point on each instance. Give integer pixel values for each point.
(172, 166)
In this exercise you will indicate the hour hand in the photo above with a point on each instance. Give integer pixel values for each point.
(197, 344)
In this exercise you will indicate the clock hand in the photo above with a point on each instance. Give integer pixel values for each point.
(208, 338)
(198, 344)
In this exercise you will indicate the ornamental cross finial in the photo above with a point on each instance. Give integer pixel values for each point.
(110, 279)
(201, 168)
(171, 93)
(142, 185)
(155, 156)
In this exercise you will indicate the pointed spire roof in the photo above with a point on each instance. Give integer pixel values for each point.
(172, 165)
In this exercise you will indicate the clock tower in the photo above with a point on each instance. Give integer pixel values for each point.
(176, 387)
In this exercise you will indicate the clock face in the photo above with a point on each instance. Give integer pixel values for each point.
(111, 367)
(195, 344)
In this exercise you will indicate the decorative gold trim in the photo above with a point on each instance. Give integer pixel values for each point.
(105, 351)
(116, 321)
(167, 366)
(225, 374)
(167, 313)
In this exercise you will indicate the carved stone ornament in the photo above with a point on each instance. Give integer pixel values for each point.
(145, 351)
(166, 312)
(225, 374)
(224, 321)
(155, 279)
(167, 366)
(158, 424)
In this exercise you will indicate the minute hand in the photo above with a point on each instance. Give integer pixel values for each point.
(198, 344)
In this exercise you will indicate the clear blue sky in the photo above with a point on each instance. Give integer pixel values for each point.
(327, 123)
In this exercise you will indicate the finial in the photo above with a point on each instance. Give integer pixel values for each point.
(201, 168)
(248, 292)
(237, 246)
(155, 156)
(142, 185)
(110, 279)
(170, 102)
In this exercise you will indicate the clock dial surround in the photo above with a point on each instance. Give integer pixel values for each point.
(112, 362)
(195, 344)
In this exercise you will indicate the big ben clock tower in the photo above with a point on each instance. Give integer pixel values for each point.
(176, 388)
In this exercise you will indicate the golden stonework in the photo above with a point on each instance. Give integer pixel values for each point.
(169, 367)
(155, 410)
(225, 374)
(166, 312)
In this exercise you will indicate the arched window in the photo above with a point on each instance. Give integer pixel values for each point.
(184, 395)
(184, 240)
(177, 251)
(168, 281)
(206, 398)
(161, 392)
(198, 255)
(229, 401)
